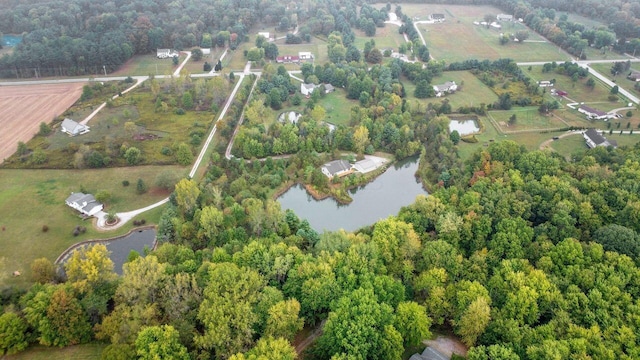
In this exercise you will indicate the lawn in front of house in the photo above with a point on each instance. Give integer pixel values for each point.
(149, 64)
(197, 67)
(337, 107)
(31, 199)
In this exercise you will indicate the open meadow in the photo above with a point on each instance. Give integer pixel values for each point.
(25, 107)
(31, 199)
(386, 37)
(458, 38)
(76, 352)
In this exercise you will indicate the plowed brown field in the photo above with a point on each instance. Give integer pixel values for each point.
(24, 107)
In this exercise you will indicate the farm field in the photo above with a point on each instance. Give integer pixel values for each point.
(33, 198)
(25, 107)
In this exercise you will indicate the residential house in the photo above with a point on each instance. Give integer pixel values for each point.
(73, 128)
(206, 51)
(85, 203)
(429, 354)
(437, 17)
(166, 53)
(288, 59)
(593, 139)
(634, 75)
(307, 89)
(336, 168)
(504, 17)
(328, 88)
(595, 114)
(446, 88)
(305, 56)
(545, 83)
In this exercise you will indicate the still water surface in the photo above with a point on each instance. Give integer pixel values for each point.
(395, 188)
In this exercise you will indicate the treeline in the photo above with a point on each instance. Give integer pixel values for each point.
(64, 38)
(523, 255)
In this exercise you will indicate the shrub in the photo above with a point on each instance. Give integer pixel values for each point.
(629, 113)
(471, 139)
(45, 228)
(612, 97)
(166, 151)
(141, 187)
(45, 129)
(125, 183)
(179, 111)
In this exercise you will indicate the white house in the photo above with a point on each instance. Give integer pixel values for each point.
(307, 89)
(437, 17)
(73, 128)
(85, 203)
(593, 139)
(328, 88)
(305, 55)
(446, 88)
(504, 17)
(336, 168)
(545, 83)
(206, 51)
(166, 53)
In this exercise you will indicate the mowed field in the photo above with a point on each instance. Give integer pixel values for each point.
(25, 107)
(458, 39)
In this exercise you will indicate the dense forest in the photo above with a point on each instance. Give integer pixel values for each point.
(523, 256)
(80, 37)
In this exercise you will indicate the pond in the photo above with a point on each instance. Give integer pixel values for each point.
(120, 248)
(395, 188)
(11, 40)
(464, 127)
(290, 116)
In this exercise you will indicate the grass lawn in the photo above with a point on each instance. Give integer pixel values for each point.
(77, 352)
(620, 79)
(478, 42)
(472, 92)
(488, 134)
(569, 145)
(527, 118)
(385, 38)
(33, 198)
(317, 47)
(338, 107)
(147, 65)
(197, 67)
(578, 91)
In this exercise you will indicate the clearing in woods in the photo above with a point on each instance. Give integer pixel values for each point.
(25, 107)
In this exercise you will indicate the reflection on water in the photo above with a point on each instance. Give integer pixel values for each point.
(395, 188)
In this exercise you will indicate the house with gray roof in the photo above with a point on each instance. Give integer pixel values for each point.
(336, 168)
(594, 114)
(593, 139)
(429, 354)
(73, 128)
(84, 203)
(446, 88)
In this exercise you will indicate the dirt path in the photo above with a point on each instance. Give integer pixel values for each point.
(547, 143)
(448, 345)
(304, 344)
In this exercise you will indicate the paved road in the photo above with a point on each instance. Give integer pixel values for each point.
(610, 83)
(177, 72)
(215, 127)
